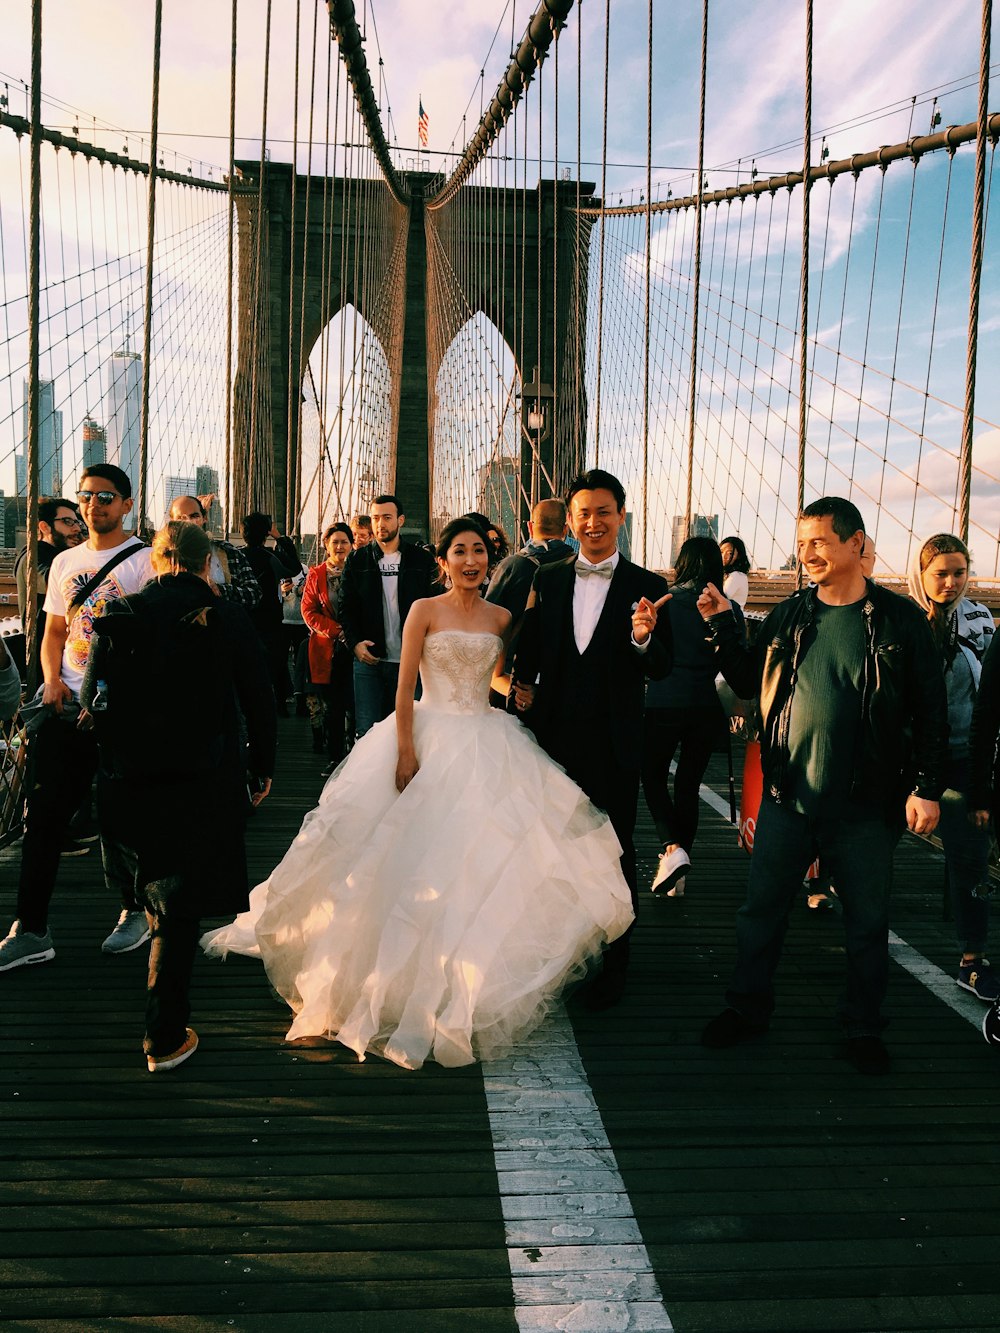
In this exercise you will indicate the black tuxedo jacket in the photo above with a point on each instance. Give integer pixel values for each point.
(546, 652)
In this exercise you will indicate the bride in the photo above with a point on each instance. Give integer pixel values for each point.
(452, 879)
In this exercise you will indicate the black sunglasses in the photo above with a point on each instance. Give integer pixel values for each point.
(102, 497)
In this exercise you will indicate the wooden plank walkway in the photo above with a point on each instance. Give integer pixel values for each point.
(265, 1186)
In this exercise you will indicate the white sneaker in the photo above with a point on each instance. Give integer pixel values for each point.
(678, 890)
(131, 931)
(672, 867)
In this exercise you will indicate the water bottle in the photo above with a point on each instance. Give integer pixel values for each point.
(100, 703)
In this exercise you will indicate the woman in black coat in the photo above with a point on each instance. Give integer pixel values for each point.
(166, 671)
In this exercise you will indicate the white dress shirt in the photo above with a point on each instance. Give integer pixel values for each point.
(589, 596)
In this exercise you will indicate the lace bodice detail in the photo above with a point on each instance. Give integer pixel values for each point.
(456, 669)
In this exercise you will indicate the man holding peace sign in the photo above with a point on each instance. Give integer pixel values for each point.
(593, 632)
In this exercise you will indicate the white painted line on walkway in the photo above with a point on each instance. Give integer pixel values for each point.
(937, 981)
(577, 1260)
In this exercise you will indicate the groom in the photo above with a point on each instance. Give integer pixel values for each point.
(591, 636)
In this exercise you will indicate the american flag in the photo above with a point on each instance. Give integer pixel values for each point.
(423, 125)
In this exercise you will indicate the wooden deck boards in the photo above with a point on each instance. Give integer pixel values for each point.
(263, 1186)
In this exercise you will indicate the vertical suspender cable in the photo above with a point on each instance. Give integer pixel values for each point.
(579, 343)
(978, 206)
(253, 498)
(291, 405)
(645, 340)
(294, 460)
(557, 455)
(696, 292)
(147, 339)
(600, 262)
(34, 228)
(537, 468)
(804, 286)
(228, 520)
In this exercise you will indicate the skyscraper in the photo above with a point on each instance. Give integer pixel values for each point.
(175, 486)
(50, 443)
(123, 412)
(206, 481)
(702, 525)
(95, 443)
(499, 493)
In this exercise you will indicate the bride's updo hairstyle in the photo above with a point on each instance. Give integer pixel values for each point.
(464, 523)
(180, 548)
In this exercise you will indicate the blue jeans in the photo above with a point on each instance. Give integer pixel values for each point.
(966, 854)
(858, 855)
(374, 693)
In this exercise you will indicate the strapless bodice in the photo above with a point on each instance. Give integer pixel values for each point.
(456, 668)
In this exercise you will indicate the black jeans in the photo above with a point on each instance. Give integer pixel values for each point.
(61, 763)
(696, 732)
(857, 853)
(173, 944)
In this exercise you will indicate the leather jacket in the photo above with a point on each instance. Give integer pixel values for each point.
(902, 743)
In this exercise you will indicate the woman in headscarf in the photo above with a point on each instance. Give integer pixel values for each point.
(962, 631)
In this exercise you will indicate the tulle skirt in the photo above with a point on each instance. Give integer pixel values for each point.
(444, 921)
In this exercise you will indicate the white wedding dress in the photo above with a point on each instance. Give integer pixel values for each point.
(441, 922)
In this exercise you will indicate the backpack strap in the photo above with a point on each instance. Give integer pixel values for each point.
(95, 580)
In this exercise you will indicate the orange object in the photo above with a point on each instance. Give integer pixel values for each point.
(751, 794)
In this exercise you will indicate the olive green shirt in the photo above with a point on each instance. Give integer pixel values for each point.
(826, 711)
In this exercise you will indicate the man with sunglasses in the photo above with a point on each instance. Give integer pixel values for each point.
(62, 755)
(60, 528)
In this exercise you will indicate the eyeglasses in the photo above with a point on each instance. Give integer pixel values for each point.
(73, 522)
(102, 497)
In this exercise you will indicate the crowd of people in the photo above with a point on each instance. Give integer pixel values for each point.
(488, 718)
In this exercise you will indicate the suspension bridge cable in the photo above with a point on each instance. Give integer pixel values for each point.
(804, 277)
(975, 279)
(257, 342)
(292, 395)
(147, 332)
(696, 294)
(647, 274)
(600, 260)
(230, 229)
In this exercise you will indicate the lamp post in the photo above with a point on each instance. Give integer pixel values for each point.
(538, 479)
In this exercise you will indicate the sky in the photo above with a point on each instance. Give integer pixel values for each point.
(869, 63)
(868, 59)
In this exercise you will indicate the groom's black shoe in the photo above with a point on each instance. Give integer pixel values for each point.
(605, 991)
(730, 1028)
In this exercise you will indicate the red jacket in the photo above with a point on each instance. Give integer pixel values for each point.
(324, 630)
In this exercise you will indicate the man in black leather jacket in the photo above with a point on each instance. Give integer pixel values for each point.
(853, 732)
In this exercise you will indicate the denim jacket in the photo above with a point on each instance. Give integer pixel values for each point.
(902, 741)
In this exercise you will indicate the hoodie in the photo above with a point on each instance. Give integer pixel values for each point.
(975, 630)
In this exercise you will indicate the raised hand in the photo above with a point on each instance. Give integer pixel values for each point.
(644, 616)
(712, 603)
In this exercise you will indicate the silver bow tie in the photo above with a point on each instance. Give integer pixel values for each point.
(605, 571)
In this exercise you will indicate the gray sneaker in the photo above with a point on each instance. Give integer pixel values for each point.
(21, 947)
(131, 931)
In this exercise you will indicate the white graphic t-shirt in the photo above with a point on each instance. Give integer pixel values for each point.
(389, 569)
(70, 571)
